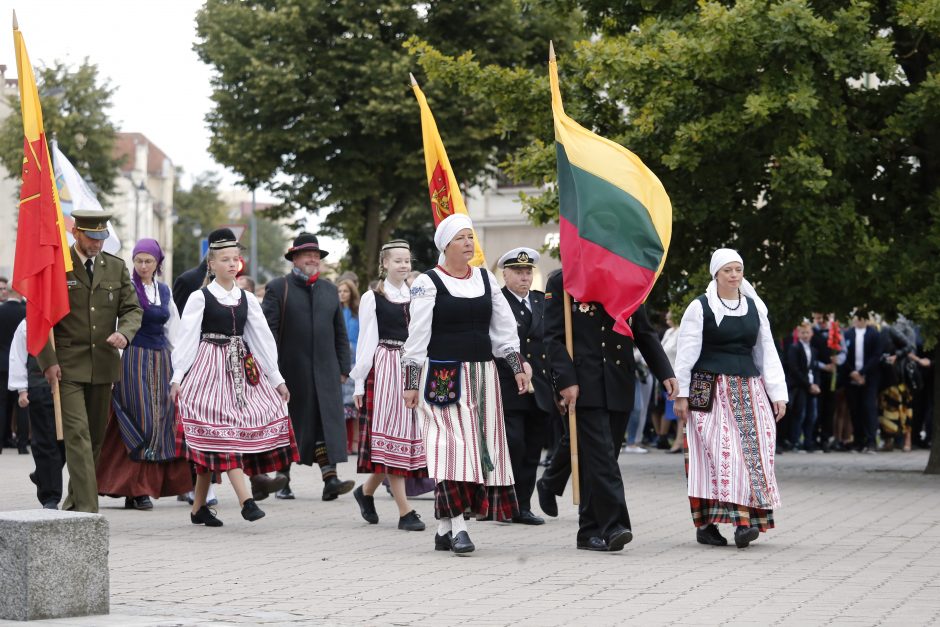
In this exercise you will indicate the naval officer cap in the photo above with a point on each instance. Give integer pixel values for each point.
(92, 222)
(521, 257)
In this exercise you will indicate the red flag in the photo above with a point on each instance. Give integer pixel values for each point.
(42, 256)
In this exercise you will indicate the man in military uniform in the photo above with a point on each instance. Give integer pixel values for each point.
(600, 381)
(84, 361)
(526, 415)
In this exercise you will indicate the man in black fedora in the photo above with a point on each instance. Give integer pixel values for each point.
(305, 315)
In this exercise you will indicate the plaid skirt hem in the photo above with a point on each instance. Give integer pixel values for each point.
(712, 512)
(252, 463)
(454, 498)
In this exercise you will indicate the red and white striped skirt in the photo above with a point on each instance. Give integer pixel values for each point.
(213, 420)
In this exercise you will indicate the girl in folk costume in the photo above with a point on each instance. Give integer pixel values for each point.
(230, 395)
(459, 321)
(138, 458)
(731, 389)
(390, 440)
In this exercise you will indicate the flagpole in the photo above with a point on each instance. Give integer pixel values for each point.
(572, 414)
(56, 399)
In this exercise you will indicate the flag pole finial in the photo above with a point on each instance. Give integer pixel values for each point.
(551, 50)
(412, 77)
(16, 25)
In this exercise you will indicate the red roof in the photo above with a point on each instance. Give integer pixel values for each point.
(125, 147)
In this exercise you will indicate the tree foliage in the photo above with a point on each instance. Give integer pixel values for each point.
(312, 100)
(75, 110)
(198, 210)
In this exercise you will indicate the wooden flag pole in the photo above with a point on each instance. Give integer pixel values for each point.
(572, 414)
(56, 399)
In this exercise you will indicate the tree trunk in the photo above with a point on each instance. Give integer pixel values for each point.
(933, 463)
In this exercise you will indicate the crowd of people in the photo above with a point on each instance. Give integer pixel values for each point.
(439, 381)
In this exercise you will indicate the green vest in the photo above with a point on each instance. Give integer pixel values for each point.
(726, 349)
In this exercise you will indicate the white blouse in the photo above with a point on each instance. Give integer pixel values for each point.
(369, 331)
(257, 333)
(503, 335)
(764, 353)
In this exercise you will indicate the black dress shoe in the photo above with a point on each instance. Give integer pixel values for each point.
(526, 517)
(743, 536)
(461, 544)
(367, 507)
(263, 485)
(618, 538)
(546, 498)
(710, 535)
(285, 493)
(443, 542)
(333, 487)
(250, 510)
(205, 516)
(138, 502)
(592, 544)
(411, 522)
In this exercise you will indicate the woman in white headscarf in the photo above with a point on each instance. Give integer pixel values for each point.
(731, 390)
(459, 321)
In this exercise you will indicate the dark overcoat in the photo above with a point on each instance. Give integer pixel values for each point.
(313, 352)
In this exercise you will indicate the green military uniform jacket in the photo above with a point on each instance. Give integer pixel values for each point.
(98, 309)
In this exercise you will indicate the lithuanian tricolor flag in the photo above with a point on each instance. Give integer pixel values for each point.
(442, 184)
(42, 254)
(616, 219)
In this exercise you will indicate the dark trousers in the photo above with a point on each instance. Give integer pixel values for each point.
(603, 504)
(48, 453)
(803, 419)
(863, 407)
(525, 432)
(825, 407)
(10, 411)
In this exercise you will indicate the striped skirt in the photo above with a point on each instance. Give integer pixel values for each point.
(390, 439)
(142, 407)
(466, 448)
(730, 463)
(217, 433)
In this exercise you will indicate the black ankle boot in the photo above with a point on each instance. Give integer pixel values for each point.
(250, 510)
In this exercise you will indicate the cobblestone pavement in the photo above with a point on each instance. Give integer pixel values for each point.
(857, 543)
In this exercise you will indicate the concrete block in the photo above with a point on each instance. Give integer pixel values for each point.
(53, 564)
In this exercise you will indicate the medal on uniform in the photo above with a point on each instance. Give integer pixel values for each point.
(584, 307)
(110, 295)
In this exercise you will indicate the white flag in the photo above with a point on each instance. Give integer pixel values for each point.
(74, 194)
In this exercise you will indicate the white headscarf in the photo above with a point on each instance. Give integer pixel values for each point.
(447, 230)
(721, 258)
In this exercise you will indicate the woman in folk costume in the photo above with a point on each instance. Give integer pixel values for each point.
(231, 398)
(390, 440)
(460, 320)
(138, 458)
(731, 390)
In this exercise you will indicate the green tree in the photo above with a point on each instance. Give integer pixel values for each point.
(75, 110)
(198, 211)
(311, 99)
(802, 133)
(271, 248)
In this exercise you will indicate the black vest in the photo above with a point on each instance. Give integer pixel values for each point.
(460, 330)
(392, 318)
(224, 319)
(727, 349)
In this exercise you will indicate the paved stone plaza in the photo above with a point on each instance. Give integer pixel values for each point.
(858, 543)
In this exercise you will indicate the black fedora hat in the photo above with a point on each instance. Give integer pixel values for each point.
(305, 241)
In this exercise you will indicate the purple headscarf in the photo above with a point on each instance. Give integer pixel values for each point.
(149, 247)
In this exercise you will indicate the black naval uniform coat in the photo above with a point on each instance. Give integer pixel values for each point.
(313, 351)
(526, 415)
(604, 369)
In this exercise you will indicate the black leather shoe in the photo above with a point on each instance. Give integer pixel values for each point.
(592, 544)
(461, 544)
(618, 538)
(526, 517)
(250, 510)
(411, 522)
(138, 502)
(743, 536)
(263, 485)
(710, 535)
(285, 493)
(367, 507)
(443, 542)
(333, 487)
(205, 516)
(546, 498)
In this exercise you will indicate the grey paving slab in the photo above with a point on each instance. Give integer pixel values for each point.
(857, 543)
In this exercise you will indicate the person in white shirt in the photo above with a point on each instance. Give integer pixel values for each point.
(731, 390)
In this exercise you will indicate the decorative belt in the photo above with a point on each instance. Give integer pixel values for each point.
(393, 344)
(235, 353)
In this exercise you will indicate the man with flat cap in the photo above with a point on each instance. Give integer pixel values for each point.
(305, 315)
(526, 415)
(104, 315)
